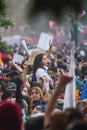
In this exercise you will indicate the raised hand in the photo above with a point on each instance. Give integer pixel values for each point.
(64, 79)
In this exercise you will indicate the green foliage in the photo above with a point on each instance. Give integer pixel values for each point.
(72, 17)
(5, 48)
(4, 22)
(2, 8)
(75, 22)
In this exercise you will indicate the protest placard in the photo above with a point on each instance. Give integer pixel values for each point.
(18, 58)
(43, 42)
(33, 55)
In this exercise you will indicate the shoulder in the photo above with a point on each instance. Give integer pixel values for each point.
(40, 70)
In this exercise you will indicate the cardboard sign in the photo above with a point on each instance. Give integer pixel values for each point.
(33, 55)
(43, 42)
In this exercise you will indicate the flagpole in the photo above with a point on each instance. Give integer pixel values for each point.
(74, 29)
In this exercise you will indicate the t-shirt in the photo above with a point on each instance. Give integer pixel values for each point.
(41, 72)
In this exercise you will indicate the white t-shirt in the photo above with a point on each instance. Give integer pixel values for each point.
(41, 72)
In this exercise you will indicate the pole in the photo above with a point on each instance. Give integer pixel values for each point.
(74, 29)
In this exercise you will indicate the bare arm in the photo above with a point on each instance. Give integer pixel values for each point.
(17, 67)
(25, 70)
(42, 81)
(49, 50)
(64, 79)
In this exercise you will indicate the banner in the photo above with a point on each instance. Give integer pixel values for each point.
(69, 99)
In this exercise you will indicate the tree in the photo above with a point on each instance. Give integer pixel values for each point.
(4, 22)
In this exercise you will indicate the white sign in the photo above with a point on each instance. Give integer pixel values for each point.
(12, 40)
(43, 42)
(18, 58)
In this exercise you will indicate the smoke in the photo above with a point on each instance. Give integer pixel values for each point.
(17, 10)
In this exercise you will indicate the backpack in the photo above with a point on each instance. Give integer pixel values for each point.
(33, 79)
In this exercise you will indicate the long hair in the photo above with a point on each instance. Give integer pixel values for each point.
(37, 62)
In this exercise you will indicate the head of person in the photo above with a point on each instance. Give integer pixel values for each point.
(35, 122)
(36, 100)
(2, 88)
(36, 94)
(10, 116)
(73, 114)
(40, 61)
(4, 93)
(58, 120)
(12, 89)
(36, 84)
(25, 91)
(47, 98)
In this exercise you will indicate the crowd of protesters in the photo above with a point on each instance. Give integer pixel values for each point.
(32, 96)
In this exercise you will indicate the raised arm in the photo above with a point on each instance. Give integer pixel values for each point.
(25, 70)
(42, 81)
(64, 79)
(17, 67)
(49, 50)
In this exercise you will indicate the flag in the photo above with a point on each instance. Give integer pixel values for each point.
(1, 63)
(69, 98)
(79, 88)
(84, 92)
(4, 55)
(81, 14)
